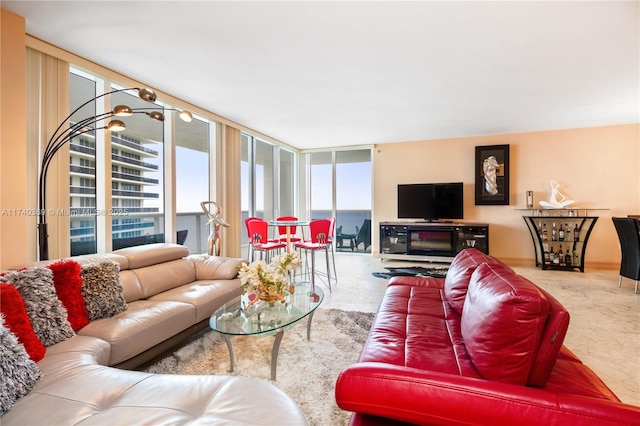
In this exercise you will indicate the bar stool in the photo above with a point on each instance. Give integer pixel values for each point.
(258, 233)
(319, 230)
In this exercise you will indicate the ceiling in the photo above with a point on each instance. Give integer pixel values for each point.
(338, 73)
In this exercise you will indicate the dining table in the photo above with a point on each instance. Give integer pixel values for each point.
(288, 224)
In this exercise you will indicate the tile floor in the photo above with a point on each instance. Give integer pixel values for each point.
(604, 331)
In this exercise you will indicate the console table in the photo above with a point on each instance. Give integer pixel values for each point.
(579, 224)
(431, 241)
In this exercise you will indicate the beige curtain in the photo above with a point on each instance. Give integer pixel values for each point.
(47, 106)
(228, 188)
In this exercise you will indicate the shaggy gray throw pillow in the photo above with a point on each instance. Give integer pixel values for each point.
(102, 290)
(18, 372)
(47, 314)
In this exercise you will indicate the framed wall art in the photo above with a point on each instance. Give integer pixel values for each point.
(492, 175)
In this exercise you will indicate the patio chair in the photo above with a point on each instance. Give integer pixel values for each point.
(364, 234)
(341, 237)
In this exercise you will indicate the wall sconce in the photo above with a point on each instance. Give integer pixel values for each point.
(63, 136)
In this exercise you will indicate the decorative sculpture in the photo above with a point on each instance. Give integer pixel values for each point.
(216, 221)
(489, 169)
(557, 199)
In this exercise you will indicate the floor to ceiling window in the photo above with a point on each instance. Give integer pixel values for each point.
(321, 175)
(267, 180)
(340, 187)
(82, 170)
(264, 180)
(353, 199)
(192, 183)
(137, 193)
(135, 196)
(286, 195)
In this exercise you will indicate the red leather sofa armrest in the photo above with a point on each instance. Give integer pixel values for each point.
(426, 397)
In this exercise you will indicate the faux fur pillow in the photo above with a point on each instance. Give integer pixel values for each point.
(48, 316)
(68, 284)
(19, 372)
(102, 290)
(17, 321)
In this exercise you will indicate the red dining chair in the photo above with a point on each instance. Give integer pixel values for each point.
(282, 230)
(258, 233)
(319, 230)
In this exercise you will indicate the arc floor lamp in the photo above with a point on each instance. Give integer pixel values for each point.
(63, 135)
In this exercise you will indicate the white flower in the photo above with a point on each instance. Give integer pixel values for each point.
(269, 282)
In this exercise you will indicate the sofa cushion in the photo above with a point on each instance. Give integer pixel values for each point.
(459, 274)
(156, 279)
(502, 323)
(102, 290)
(152, 254)
(144, 325)
(215, 267)
(17, 320)
(205, 295)
(47, 314)
(554, 333)
(68, 284)
(131, 284)
(19, 372)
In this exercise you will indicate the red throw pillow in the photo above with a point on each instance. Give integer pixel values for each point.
(17, 320)
(68, 284)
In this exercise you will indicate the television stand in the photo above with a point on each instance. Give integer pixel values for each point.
(431, 241)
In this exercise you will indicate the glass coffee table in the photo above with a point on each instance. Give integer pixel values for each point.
(263, 319)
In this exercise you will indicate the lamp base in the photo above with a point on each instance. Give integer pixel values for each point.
(43, 242)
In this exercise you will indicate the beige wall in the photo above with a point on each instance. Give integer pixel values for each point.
(14, 223)
(596, 167)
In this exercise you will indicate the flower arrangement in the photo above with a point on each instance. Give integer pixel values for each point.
(268, 282)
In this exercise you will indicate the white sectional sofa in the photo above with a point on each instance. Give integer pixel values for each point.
(169, 296)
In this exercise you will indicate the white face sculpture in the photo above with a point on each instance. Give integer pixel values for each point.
(489, 169)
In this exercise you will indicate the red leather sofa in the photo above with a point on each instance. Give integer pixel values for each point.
(482, 346)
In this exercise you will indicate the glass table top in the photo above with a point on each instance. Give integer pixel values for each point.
(262, 318)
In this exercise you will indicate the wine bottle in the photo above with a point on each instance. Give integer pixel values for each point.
(545, 235)
(560, 255)
(554, 232)
(567, 232)
(576, 233)
(567, 259)
(561, 233)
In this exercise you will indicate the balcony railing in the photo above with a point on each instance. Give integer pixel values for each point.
(138, 147)
(82, 190)
(90, 171)
(134, 194)
(83, 149)
(133, 162)
(133, 178)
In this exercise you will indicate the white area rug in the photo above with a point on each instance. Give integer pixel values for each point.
(307, 369)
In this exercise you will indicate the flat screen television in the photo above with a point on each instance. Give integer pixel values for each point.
(431, 201)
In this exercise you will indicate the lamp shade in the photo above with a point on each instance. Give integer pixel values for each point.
(156, 115)
(186, 116)
(122, 111)
(147, 94)
(116, 126)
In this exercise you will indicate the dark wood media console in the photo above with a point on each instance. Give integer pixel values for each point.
(431, 241)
